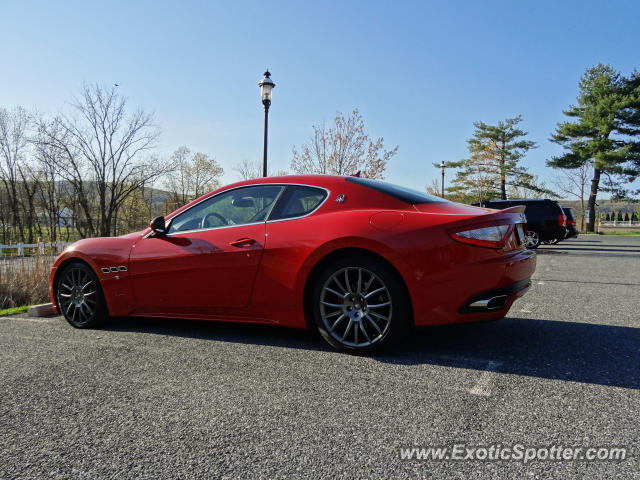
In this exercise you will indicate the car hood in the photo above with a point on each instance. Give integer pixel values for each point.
(105, 245)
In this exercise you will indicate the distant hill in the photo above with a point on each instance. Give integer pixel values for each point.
(157, 195)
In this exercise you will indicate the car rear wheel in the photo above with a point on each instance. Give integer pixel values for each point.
(80, 298)
(532, 239)
(360, 305)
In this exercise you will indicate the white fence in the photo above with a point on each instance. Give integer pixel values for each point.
(38, 247)
(620, 224)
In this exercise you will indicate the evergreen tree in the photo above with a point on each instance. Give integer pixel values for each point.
(607, 118)
(494, 153)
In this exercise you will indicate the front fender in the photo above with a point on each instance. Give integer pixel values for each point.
(99, 254)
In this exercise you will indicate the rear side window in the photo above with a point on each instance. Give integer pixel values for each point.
(407, 195)
(498, 205)
(569, 213)
(534, 210)
(298, 201)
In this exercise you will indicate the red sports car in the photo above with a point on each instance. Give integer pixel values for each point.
(358, 259)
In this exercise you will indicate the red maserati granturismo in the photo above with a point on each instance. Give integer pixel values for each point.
(358, 259)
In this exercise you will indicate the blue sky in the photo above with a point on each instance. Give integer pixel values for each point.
(419, 72)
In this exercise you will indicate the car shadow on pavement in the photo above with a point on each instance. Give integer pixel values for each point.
(254, 334)
(573, 351)
(579, 352)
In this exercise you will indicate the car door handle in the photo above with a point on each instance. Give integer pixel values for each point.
(242, 242)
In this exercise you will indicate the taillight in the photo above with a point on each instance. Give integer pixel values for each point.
(493, 236)
(562, 220)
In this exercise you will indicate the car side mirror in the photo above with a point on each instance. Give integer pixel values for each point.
(158, 227)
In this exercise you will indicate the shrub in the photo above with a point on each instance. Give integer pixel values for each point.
(24, 280)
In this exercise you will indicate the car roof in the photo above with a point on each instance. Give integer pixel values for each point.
(326, 181)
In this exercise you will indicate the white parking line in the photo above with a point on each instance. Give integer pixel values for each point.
(484, 383)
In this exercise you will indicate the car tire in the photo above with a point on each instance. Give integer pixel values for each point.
(360, 305)
(532, 239)
(79, 296)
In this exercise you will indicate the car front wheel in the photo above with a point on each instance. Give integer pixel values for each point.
(360, 305)
(79, 296)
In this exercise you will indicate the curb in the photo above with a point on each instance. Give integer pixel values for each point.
(44, 310)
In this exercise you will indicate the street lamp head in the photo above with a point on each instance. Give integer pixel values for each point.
(266, 86)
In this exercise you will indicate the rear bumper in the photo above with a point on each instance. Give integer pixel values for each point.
(555, 233)
(571, 232)
(496, 299)
(451, 300)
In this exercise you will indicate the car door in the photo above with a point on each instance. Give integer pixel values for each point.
(208, 258)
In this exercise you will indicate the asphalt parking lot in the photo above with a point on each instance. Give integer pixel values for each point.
(175, 399)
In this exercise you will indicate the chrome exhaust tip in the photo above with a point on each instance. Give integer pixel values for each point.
(493, 303)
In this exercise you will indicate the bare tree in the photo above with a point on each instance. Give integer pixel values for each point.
(433, 188)
(194, 175)
(574, 182)
(342, 149)
(99, 150)
(530, 186)
(177, 182)
(13, 143)
(249, 170)
(51, 191)
(203, 173)
(30, 184)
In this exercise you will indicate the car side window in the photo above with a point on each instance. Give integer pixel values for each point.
(533, 211)
(298, 201)
(239, 206)
(497, 205)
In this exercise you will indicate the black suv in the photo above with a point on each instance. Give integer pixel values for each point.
(545, 219)
(572, 231)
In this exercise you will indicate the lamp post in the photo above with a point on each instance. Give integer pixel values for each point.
(442, 167)
(266, 85)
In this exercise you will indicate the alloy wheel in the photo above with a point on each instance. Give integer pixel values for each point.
(77, 296)
(532, 239)
(356, 307)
